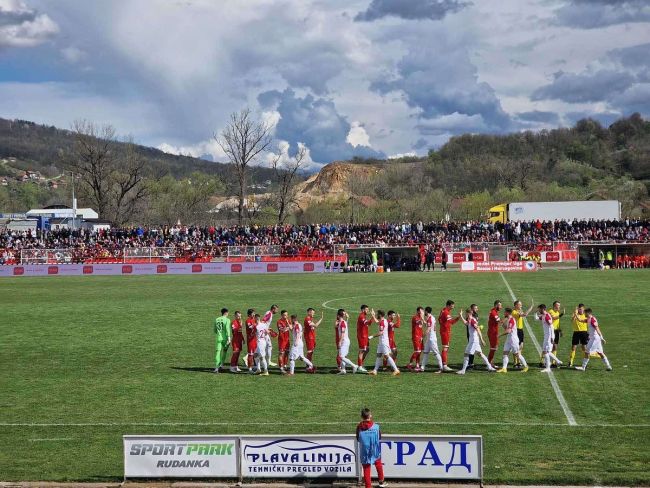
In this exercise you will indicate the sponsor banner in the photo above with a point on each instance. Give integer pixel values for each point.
(199, 456)
(156, 268)
(432, 457)
(498, 266)
(317, 456)
(461, 257)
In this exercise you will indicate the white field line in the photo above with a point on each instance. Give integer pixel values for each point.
(326, 303)
(386, 422)
(556, 388)
(52, 439)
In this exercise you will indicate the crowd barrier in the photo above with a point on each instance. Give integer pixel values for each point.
(161, 269)
(423, 457)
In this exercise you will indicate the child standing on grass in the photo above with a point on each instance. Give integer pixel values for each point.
(368, 435)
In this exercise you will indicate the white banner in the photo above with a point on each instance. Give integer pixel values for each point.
(192, 456)
(316, 456)
(432, 457)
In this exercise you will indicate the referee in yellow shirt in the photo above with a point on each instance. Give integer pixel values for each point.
(580, 333)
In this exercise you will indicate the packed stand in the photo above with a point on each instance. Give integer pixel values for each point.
(190, 243)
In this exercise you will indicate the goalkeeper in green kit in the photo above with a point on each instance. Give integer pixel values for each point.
(224, 337)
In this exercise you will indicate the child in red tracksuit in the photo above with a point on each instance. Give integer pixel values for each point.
(368, 436)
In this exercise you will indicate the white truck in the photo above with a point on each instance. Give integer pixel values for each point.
(544, 211)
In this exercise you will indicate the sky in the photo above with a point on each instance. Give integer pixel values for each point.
(344, 78)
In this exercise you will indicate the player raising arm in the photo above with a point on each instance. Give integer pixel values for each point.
(297, 351)
(284, 327)
(383, 348)
(580, 333)
(475, 338)
(343, 344)
(446, 321)
(596, 341)
(511, 345)
(547, 344)
(417, 327)
(363, 323)
(310, 334)
(494, 321)
(430, 341)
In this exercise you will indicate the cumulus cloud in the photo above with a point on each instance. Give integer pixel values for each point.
(22, 26)
(358, 135)
(208, 149)
(315, 122)
(455, 123)
(410, 10)
(592, 14)
(442, 81)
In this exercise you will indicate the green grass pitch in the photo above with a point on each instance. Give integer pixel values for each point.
(85, 360)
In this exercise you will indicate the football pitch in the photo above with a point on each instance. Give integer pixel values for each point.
(85, 360)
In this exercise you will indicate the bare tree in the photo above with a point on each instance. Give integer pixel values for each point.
(112, 174)
(243, 139)
(285, 169)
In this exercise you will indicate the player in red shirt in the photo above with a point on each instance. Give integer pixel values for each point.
(417, 322)
(446, 321)
(284, 326)
(310, 326)
(251, 338)
(237, 342)
(394, 322)
(363, 322)
(494, 322)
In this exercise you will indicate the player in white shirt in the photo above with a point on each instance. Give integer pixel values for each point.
(268, 319)
(596, 341)
(475, 339)
(511, 345)
(549, 333)
(430, 341)
(383, 348)
(297, 348)
(263, 338)
(344, 343)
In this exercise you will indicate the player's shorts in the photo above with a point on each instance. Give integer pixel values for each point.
(296, 353)
(520, 335)
(580, 337)
(473, 348)
(445, 336)
(262, 346)
(383, 349)
(310, 343)
(511, 345)
(283, 344)
(252, 346)
(237, 342)
(595, 345)
(556, 336)
(493, 337)
(363, 343)
(431, 346)
(417, 344)
(547, 342)
(344, 350)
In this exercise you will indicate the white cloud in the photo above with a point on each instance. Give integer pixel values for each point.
(202, 149)
(402, 155)
(21, 26)
(358, 135)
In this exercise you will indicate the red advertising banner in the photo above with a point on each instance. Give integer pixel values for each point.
(498, 266)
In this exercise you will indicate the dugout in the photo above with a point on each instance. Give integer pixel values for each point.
(404, 258)
(596, 256)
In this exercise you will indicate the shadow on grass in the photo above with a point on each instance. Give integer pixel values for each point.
(273, 371)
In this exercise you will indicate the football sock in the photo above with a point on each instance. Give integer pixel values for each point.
(506, 358)
(345, 361)
(606, 361)
(523, 361)
(485, 359)
(547, 361)
(585, 361)
(292, 366)
(392, 364)
(444, 356)
(465, 363)
(308, 363)
(377, 364)
(440, 362)
(572, 356)
(425, 360)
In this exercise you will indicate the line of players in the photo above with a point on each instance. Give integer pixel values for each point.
(260, 335)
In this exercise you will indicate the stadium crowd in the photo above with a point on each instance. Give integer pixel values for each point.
(194, 243)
